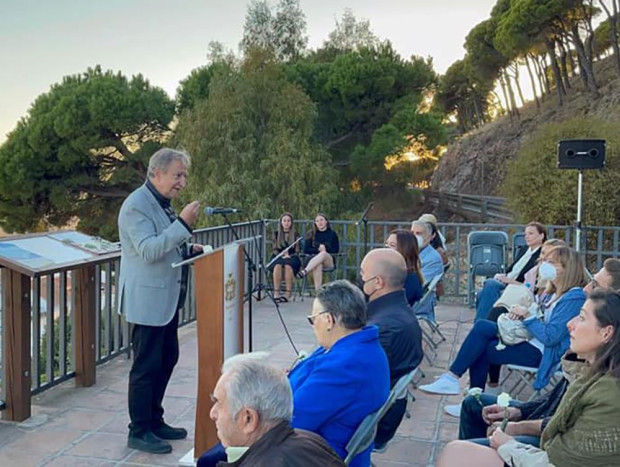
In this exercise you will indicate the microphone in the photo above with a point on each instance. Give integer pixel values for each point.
(209, 211)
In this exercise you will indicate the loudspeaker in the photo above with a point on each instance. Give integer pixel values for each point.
(582, 154)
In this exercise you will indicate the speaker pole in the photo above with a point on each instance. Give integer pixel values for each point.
(579, 208)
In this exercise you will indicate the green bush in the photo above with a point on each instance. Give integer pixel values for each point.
(537, 190)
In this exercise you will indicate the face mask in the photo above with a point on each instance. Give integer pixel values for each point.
(547, 271)
(420, 241)
(360, 284)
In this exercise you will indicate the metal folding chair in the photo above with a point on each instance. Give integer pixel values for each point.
(365, 434)
(525, 377)
(486, 256)
(332, 273)
(426, 318)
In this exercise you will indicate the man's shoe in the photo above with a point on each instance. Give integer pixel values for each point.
(165, 431)
(148, 442)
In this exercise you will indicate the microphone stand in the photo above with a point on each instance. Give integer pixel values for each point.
(364, 220)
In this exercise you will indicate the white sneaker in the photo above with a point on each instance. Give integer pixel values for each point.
(445, 384)
(453, 410)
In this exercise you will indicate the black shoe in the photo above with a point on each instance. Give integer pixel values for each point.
(148, 442)
(165, 431)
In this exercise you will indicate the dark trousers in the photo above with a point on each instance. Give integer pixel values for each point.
(389, 423)
(473, 428)
(478, 352)
(155, 353)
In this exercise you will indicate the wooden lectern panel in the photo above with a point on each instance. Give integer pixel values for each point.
(213, 290)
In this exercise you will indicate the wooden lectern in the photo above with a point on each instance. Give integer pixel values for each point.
(218, 284)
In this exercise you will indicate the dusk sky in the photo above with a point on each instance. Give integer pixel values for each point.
(42, 41)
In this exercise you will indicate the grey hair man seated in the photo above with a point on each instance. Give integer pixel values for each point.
(252, 410)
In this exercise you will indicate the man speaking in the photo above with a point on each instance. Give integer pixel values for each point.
(151, 292)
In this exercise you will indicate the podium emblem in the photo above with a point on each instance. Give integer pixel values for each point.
(231, 288)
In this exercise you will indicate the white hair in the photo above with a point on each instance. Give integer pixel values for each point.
(255, 384)
(164, 157)
(425, 225)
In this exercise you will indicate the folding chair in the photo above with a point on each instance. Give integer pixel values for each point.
(420, 310)
(525, 377)
(486, 256)
(518, 242)
(365, 434)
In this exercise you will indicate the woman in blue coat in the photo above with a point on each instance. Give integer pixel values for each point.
(347, 377)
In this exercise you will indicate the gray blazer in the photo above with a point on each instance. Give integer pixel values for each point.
(148, 286)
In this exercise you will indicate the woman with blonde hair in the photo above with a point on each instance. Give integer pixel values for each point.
(565, 272)
(287, 265)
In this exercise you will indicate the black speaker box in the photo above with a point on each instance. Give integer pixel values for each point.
(582, 154)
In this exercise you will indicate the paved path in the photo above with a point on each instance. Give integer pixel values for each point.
(88, 426)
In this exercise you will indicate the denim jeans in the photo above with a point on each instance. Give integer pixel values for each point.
(478, 352)
(491, 291)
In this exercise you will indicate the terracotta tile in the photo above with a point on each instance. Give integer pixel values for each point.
(12, 457)
(103, 446)
(44, 441)
(179, 449)
(71, 461)
(82, 419)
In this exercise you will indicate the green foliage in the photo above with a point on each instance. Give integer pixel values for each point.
(252, 144)
(537, 190)
(196, 86)
(83, 147)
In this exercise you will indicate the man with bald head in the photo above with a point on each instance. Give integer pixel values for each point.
(383, 272)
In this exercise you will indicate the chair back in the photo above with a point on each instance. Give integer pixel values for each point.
(518, 242)
(487, 252)
(365, 434)
(429, 293)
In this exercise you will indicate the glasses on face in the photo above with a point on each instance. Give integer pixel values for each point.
(312, 318)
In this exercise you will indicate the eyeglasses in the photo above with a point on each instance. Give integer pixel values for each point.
(312, 318)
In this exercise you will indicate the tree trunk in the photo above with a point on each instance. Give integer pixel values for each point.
(532, 81)
(613, 32)
(511, 95)
(587, 64)
(516, 78)
(563, 64)
(540, 65)
(502, 84)
(556, 71)
(545, 67)
(589, 44)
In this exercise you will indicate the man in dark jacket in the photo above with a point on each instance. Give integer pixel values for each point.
(252, 410)
(383, 273)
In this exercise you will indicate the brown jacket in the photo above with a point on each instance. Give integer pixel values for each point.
(282, 446)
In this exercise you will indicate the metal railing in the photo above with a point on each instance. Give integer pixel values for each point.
(52, 339)
(53, 301)
(480, 207)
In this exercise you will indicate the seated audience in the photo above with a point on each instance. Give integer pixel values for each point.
(321, 243)
(406, 244)
(564, 269)
(383, 273)
(540, 294)
(477, 413)
(287, 265)
(584, 429)
(252, 410)
(347, 377)
(535, 236)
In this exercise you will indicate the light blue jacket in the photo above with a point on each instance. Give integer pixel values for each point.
(149, 286)
(554, 334)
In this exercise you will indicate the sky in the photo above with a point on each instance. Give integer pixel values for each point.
(41, 40)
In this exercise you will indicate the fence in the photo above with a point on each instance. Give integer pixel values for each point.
(52, 352)
(53, 299)
(479, 207)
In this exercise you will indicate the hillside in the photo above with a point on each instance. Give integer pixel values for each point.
(476, 163)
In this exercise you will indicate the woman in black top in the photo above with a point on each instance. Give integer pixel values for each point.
(322, 243)
(289, 263)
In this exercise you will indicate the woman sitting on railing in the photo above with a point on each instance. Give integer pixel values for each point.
(535, 236)
(584, 429)
(288, 264)
(565, 271)
(406, 244)
(322, 243)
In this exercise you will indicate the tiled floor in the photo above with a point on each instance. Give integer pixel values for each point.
(88, 426)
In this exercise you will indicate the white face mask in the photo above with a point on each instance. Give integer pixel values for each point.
(420, 241)
(547, 271)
